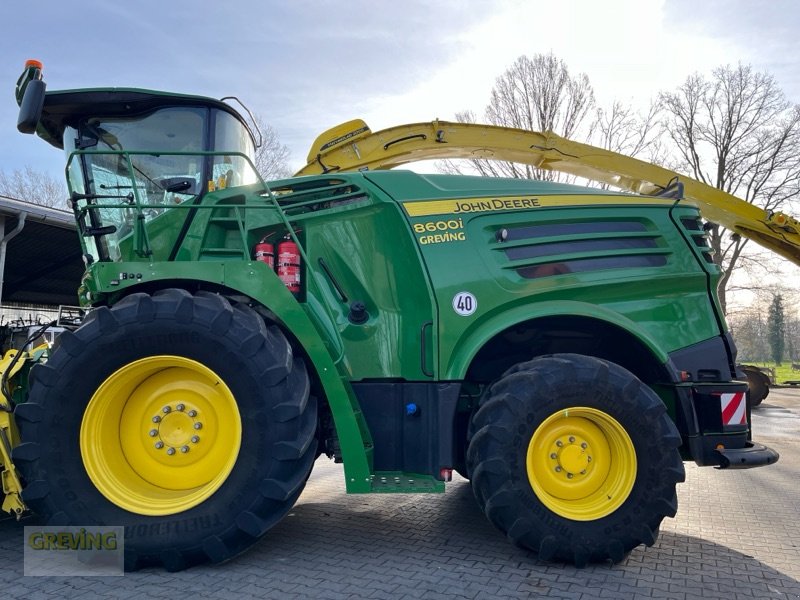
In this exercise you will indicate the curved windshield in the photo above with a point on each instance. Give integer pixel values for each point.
(145, 164)
(168, 130)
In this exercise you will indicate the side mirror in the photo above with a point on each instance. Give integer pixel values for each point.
(30, 109)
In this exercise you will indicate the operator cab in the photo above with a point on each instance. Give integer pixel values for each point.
(132, 154)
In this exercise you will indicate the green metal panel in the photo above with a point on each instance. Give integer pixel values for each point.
(373, 260)
(462, 254)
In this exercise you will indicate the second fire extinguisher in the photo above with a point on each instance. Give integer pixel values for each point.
(289, 264)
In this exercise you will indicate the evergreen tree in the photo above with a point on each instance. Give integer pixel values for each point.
(777, 328)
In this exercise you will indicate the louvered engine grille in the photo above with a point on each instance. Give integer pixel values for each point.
(694, 226)
(550, 249)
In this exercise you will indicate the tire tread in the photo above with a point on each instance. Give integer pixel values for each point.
(502, 490)
(289, 412)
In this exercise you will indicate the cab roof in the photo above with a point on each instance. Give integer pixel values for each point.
(64, 108)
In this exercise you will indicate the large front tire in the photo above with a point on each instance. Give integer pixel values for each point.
(575, 458)
(183, 418)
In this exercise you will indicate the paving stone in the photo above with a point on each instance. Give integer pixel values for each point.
(736, 536)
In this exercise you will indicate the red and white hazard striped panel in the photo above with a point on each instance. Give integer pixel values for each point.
(733, 409)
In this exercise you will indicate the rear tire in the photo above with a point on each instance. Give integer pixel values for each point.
(757, 384)
(233, 461)
(574, 458)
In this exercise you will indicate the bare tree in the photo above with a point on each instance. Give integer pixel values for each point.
(537, 94)
(272, 157)
(749, 328)
(620, 128)
(737, 132)
(540, 94)
(34, 186)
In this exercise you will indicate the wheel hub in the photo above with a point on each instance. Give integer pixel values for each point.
(573, 458)
(160, 435)
(177, 429)
(581, 463)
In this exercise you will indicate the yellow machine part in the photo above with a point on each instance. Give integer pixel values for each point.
(581, 463)
(352, 146)
(9, 435)
(5, 365)
(12, 487)
(160, 435)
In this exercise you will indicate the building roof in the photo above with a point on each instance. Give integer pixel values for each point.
(43, 262)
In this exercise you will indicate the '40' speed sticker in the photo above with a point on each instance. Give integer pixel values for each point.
(464, 304)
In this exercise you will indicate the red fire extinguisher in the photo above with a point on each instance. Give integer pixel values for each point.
(289, 264)
(265, 252)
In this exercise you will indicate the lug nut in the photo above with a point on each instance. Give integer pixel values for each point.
(583, 472)
(192, 413)
(166, 409)
(584, 445)
(159, 445)
(198, 425)
(153, 432)
(569, 475)
(170, 451)
(588, 459)
(156, 419)
(559, 443)
(553, 455)
(184, 449)
(195, 439)
(572, 439)
(180, 407)
(558, 469)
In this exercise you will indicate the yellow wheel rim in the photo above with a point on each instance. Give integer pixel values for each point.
(581, 463)
(160, 435)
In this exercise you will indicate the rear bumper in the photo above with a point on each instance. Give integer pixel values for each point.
(752, 455)
(712, 412)
(716, 432)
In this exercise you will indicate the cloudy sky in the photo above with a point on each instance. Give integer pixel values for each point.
(306, 66)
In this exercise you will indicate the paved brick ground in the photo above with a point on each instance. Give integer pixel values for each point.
(737, 535)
